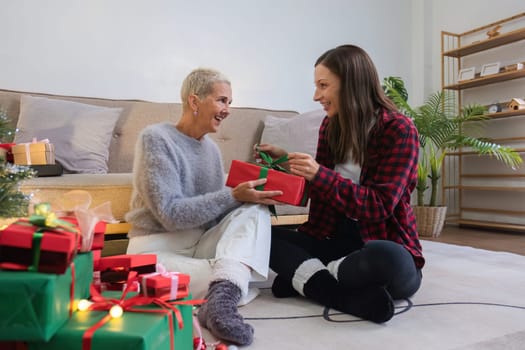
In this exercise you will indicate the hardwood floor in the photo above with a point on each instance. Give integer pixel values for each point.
(484, 239)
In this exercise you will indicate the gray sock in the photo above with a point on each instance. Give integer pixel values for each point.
(219, 314)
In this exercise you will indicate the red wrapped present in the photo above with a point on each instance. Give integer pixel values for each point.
(5, 149)
(25, 246)
(293, 187)
(165, 285)
(97, 254)
(114, 270)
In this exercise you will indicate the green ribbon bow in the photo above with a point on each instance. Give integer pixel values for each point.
(269, 163)
(43, 217)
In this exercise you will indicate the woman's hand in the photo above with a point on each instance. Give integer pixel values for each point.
(273, 151)
(303, 164)
(246, 192)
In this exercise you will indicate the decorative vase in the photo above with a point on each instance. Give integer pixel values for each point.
(430, 220)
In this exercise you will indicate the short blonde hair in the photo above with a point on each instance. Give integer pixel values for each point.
(200, 82)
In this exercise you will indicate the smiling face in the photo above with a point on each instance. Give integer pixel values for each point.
(327, 86)
(213, 108)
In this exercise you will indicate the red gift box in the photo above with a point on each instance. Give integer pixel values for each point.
(114, 270)
(165, 285)
(24, 246)
(293, 187)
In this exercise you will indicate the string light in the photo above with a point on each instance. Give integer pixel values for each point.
(83, 304)
(116, 311)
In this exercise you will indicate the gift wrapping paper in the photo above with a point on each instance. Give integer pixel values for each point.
(37, 153)
(34, 305)
(293, 187)
(24, 246)
(132, 331)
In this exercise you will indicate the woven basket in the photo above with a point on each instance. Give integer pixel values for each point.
(430, 220)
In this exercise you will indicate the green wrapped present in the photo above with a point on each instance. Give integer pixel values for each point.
(34, 305)
(147, 327)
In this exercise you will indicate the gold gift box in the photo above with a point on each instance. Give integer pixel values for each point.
(37, 153)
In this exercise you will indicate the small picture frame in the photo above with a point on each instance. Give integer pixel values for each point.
(489, 69)
(466, 73)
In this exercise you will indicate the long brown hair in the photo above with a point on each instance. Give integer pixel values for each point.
(360, 96)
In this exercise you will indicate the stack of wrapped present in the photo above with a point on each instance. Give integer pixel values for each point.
(49, 298)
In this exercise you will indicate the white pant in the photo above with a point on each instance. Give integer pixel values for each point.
(243, 236)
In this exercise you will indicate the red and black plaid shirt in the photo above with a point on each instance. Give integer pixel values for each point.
(381, 202)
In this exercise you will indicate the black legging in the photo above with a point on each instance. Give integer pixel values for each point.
(378, 262)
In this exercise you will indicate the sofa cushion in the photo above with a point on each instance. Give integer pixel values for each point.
(297, 134)
(80, 132)
(115, 188)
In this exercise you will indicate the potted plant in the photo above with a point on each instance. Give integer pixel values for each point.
(441, 130)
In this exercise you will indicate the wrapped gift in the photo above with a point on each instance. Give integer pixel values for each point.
(34, 153)
(165, 285)
(6, 153)
(24, 245)
(145, 327)
(114, 270)
(34, 305)
(292, 186)
(13, 345)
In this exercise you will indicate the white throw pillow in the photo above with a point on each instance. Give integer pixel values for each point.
(80, 132)
(296, 134)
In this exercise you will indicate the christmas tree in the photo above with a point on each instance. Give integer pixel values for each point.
(13, 203)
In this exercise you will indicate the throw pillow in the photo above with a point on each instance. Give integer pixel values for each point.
(296, 134)
(80, 132)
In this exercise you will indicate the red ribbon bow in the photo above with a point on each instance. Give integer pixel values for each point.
(100, 303)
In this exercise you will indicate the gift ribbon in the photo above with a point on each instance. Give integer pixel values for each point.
(100, 303)
(270, 164)
(77, 203)
(44, 217)
(36, 248)
(72, 291)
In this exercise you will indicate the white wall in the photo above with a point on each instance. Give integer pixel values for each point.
(143, 49)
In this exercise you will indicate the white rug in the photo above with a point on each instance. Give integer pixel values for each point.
(469, 299)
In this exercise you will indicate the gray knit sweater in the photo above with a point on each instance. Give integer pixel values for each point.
(178, 182)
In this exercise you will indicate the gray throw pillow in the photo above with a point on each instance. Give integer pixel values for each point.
(80, 132)
(297, 134)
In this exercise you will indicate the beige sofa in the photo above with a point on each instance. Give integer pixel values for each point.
(238, 133)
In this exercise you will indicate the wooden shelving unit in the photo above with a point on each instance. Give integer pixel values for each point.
(480, 192)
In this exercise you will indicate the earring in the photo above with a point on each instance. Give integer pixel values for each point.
(195, 113)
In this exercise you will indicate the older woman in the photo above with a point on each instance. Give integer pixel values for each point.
(182, 211)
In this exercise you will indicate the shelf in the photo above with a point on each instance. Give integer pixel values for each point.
(502, 39)
(484, 188)
(505, 114)
(466, 176)
(520, 213)
(491, 224)
(490, 79)
(490, 188)
(504, 176)
(467, 153)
